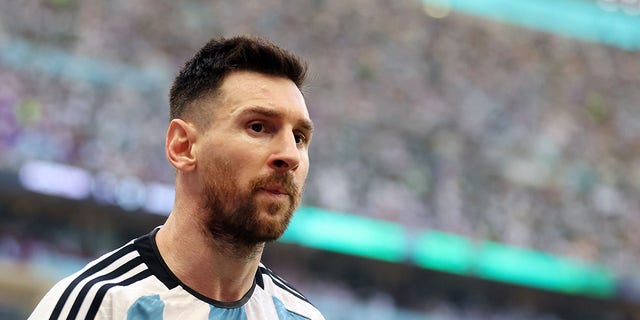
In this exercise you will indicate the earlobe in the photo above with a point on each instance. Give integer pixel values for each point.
(181, 137)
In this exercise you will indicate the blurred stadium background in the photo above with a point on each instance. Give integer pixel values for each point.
(474, 159)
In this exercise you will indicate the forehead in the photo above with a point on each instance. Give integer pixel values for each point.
(243, 89)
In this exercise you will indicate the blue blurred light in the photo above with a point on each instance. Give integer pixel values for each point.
(583, 20)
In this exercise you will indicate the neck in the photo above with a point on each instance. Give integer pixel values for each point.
(217, 269)
(240, 252)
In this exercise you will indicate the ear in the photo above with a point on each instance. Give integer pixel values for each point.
(181, 137)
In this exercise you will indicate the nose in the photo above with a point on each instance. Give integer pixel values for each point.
(286, 155)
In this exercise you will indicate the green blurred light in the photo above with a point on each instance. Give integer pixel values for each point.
(446, 252)
(348, 234)
(583, 20)
(541, 270)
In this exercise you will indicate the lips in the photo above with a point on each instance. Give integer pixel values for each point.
(276, 190)
(278, 185)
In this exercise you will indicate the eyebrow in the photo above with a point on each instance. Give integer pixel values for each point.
(305, 124)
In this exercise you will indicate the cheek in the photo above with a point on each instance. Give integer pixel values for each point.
(302, 172)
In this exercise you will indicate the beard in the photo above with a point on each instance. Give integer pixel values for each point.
(235, 216)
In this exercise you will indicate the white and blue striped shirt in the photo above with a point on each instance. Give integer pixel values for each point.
(134, 283)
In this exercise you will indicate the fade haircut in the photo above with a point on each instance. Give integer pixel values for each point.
(203, 74)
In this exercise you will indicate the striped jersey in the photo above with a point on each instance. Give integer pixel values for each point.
(134, 283)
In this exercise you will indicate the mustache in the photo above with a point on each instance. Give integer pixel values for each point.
(283, 180)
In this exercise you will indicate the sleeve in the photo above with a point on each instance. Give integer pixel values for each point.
(45, 307)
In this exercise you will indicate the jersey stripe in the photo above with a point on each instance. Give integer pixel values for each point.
(284, 313)
(82, 295)
(282, 283)
(95, 304)
(146, 307)
(55, 314)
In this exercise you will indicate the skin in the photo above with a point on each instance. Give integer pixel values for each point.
(259, 131)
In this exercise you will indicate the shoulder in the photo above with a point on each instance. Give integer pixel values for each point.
(283, 293)
(81, 294)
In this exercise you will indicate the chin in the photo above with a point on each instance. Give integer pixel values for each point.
(273, 226)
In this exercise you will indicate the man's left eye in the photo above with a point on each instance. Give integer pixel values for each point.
(300, 138)
(257, 127)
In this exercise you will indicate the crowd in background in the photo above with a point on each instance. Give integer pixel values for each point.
(458, 124)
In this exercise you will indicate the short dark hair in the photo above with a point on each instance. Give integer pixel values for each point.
(203, 74)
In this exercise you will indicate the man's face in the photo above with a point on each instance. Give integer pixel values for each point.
(253, 158)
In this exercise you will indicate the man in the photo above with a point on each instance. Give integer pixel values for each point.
(238, 139)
